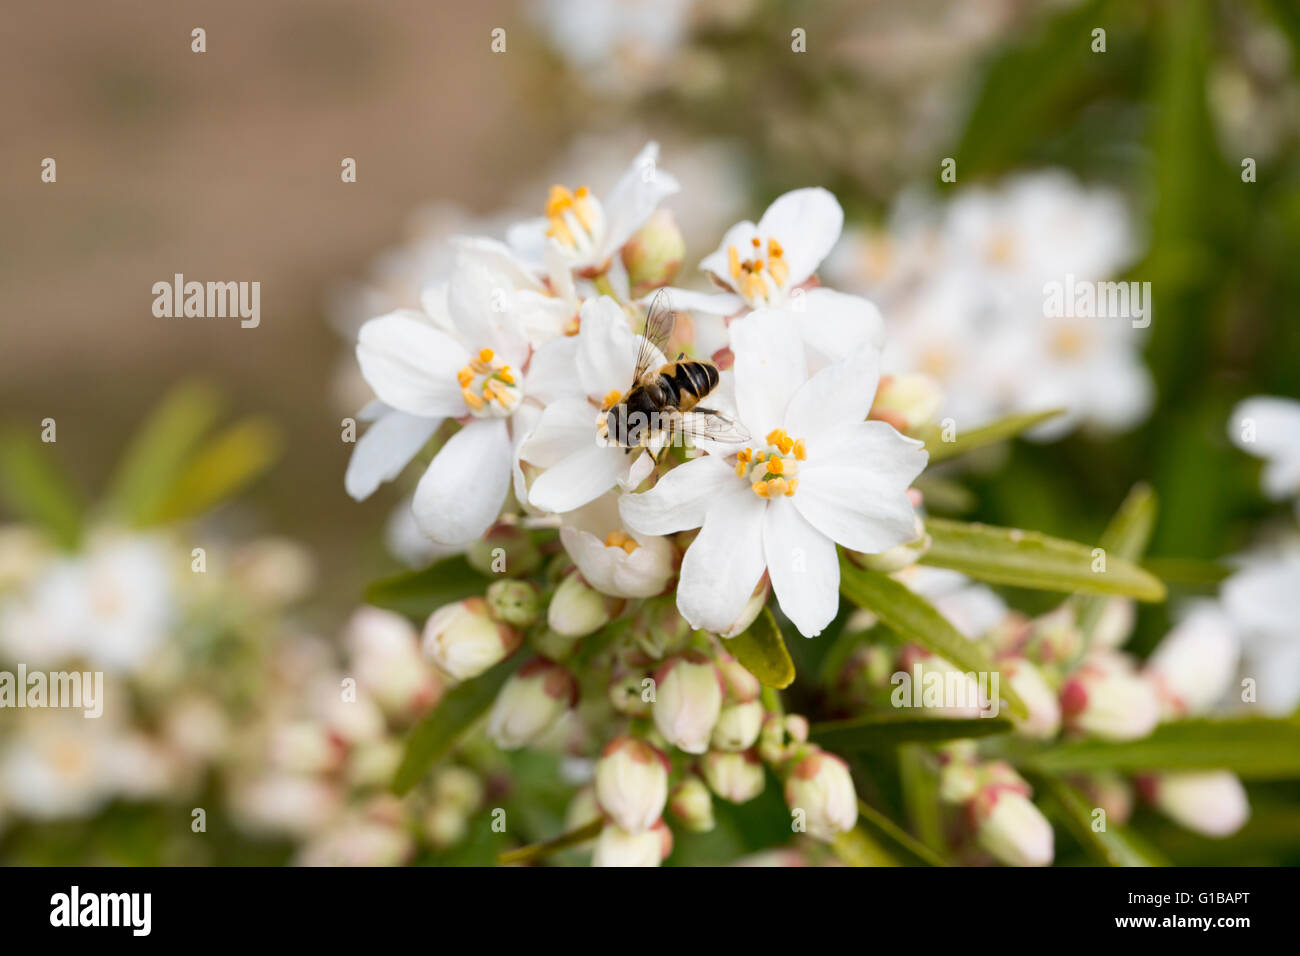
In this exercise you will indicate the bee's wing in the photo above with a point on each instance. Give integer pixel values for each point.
(659, 322)
(709, 428)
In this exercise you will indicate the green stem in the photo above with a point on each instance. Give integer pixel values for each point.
(538, 851)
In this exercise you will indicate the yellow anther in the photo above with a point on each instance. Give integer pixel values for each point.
(472, 400)
(776, 466)
(792, 487)
(485, 355)
(774, 250)
(773, 436)
(621, 539)
(745, 455)
(733, 262)
(558, 201)
(583, 210)
(611, 398)
(465, 376)
(506, 375)
(741, 468)
(756, 242)
(776, 486)
(582, 192)
(799, 449)
(760, 488)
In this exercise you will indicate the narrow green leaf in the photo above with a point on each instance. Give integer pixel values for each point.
(149, 468)
(36, 489)
(539, 851)
(915, 619)
(762, 651)
(1001, 430)
(920, 790)
(436, 734)
(876, 731)
(1029, 559)
(1126, 537)
(417, 594)
(856, 848)
(221, 468)
(909, 850)
(1257, 748)
(1116, 845)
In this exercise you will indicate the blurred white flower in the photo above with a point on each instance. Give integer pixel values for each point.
(1269, 428)
(615, 560)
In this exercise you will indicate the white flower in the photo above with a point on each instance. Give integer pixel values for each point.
(1269, 428)
(613, 559)
(463, 358)
(530, 703)
(570, 444)
(1196, 662)
(617, 847)
(822, 475)
(1211, 802)
(1260, 599)
(688, 701)
(584, 232)
(820, 785)
(632, 783)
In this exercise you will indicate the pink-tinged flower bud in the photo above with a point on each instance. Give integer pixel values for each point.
(659, 629)
(1212, 802)
(1113, 628)
(781, 737)
(632, 783)
(741, 685)
(692, 804)
(751, 610)
(464, 641)
(577, 610)
(530, 703)
(517, 603)
(688, 700)
(959, 781)
(907, 401)
(1104, 698)
(617, 847)
(1194, 665)
(385, 652)
(820, 785)
(738, 726)
(1010, 828)
(629, 694)
(1107, 791)
(654, 253)
(1044, 718)
(737, 777)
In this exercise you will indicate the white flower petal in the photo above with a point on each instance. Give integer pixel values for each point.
(580, 477)
(552, 371)
(838, 395)
(769, 368)
(385, 449)
(718, 262)
(412, 366)
(803, 566)
(807, 223)
(724, 563)
(710, 303)
(567, 426)
(853, 486)
(680, 499)
(607, 346)
(461, 494)
(834, 324)
(635, 197)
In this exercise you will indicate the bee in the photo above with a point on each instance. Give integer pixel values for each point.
(663, 403)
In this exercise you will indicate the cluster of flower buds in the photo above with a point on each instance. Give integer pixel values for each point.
(997, 809)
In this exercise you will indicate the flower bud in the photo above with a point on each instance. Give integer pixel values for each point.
(627, 694)
(907, 401)
(688, 700)
(738, 726)
(1194, 665)
(552, 646)
(1054, 637)
(741, 685)
(654, 253)
(617, 847)
(1115, 624)
(1105, 699)
(1044, 718)
(659, 629)
(750, 613)
(385, 652)
(820, 785)
(1010, 828)
(781, 737)
(736, 777)
(1212, 803)
(898, 557)
(692, 804)
(577, 610)
(1108, 791)
(505, 549)
(530, 703)
(459, 787)
(517, 603)
(464, 641)
(632, 783)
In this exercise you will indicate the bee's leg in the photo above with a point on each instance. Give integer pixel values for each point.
(680, 356)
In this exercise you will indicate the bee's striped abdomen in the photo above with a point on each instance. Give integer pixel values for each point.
(689, 382)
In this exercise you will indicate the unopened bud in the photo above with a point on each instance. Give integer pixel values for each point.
(1106, 699)
(738, 726)
(753, 606)
(530, 703)
(464, 640)
(692, 804)
(736, 777)
(654, 253)
(1010, 828)
(781, 737)
(632, 783)
(898, 557)
(505, 549)
(820, 785)
(578, 610)
(1044, 707)
(688, 701)
(1212, 803)
(617, 847)
(1194, 665)
(907, 401)
(517, 603)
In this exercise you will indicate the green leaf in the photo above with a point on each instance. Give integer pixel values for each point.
(36, 489)
(221, 468)
(1115, 846)
(914, 619)
(417, 594)
(1029, 559)
(435, 735)
(1125, 537)
(149, 468)
(909, 850)
(992, 433)
(762, 651)
(891, 730)
(1257, 748)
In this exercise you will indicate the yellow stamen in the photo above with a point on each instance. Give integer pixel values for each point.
(776, 466)
(621, 539)
(776, 486)
(558, 201)
(611, 399)
(760, 488)
(792, 487)
(733, 262)
(799, 449)
(465, 376)
(485, 355)
(506, 375)
(472, 400)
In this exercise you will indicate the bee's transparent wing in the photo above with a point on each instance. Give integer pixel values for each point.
(708, 429)
(659, 322)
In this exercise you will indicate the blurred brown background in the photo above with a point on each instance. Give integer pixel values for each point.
(225, 165)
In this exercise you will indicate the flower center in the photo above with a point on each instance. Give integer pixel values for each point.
(621, 539)
(753, 275)
(575, 218)
(488, 386)
(1069, 341)
(773, 471)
